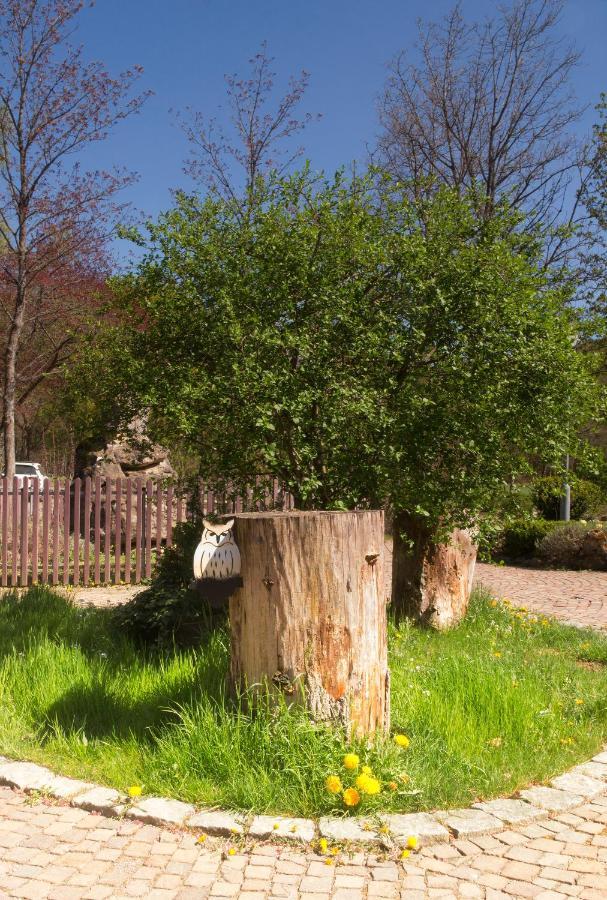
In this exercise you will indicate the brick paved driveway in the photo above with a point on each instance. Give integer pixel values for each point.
(61, 853)
(579, 598)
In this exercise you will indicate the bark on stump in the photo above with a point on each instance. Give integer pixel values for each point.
(310, 618)
(431, 583)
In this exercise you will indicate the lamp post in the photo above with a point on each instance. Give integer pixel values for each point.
(565, 506)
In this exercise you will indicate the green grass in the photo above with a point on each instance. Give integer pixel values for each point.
(82, 699)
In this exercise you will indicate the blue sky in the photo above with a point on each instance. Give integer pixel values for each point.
(186, 47)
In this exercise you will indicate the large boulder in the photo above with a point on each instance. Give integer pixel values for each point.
(129, 454)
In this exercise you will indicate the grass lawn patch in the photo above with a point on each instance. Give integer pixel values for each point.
(504, 700)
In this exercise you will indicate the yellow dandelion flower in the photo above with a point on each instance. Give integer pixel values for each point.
(367, 770)
(322, 845)
(372, 785)
(384, 829)
(201, 838)
(351, 761)
(392, 785)
(405, 854)
(578, 701)
(231, 852)
(275, 826)
(493, 603)
(328, 862)
(134, 791)
(351, 797)
(334, 851)
(412, 842)
(497, 654)
(333, 784)
(402, 740)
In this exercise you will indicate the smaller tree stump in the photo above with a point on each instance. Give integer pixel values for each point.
(431, 583)
(310, 618)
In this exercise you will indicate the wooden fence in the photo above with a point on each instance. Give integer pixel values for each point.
(96, 530)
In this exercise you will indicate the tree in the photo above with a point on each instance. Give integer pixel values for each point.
(365, 351)
(54, 217)
(230, 164)
(489, 106)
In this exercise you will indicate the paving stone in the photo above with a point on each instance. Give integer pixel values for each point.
(103, 800)
(216, 822)
(600, 757)
(466, 822)
(421, 825)
(512, 812)
(25, 776)
(578, 784)
(283, 827)
(161, 811)
(347, 830)
(551, 799)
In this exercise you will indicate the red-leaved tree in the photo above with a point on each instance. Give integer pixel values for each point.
(55, 217)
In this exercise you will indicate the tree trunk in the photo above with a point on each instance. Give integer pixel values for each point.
(310, 619)
(431, 583)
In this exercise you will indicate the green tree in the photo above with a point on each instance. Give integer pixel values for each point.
(365, 351)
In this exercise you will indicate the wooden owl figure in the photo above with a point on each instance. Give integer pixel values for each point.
(217, 556)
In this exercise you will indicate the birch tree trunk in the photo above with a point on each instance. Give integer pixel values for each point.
(431, 582)
(310, 619)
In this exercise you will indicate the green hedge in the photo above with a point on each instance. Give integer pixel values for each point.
(521, 538)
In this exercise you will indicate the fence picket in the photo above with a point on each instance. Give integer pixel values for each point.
(159, 494)
(117, 530)
(35, 514)
(138, 530)
(128, 530)
(148, 528)
(45, 529)
(66, 532)
(76, 565)
(97, 531)
(5, 532)
(108, 531)
(86, 523)
(56, 517)
(169, 542)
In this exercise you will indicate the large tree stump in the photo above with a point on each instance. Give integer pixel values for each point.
(431, 582)
(310, 618)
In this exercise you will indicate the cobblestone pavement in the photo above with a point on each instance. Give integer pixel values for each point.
(579, 598)
(60, 853)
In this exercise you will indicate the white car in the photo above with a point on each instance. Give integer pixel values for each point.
(29, 470)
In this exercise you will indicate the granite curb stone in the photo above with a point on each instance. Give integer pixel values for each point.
(281, 826)
(552, 799)
(160, 811)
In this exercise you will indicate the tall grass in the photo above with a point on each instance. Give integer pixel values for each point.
(488, 707)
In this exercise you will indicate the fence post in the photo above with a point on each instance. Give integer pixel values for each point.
(4, 531)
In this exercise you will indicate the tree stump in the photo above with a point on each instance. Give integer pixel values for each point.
(431, 582)
(310, 618)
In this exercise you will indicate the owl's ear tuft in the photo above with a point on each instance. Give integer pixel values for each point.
(208, 525)
(229, 524)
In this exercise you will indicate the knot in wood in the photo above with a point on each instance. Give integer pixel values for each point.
(372, 558)
(268, 582)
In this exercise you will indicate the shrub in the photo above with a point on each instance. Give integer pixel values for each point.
(169, 612)
(586, 497)
(521, 537)
(575, 545)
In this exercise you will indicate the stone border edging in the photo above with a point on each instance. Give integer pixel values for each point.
(582, 782)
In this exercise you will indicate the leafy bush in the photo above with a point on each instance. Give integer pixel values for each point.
(521, 537)
(586, 497)
(570, 546)
(169, 612)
